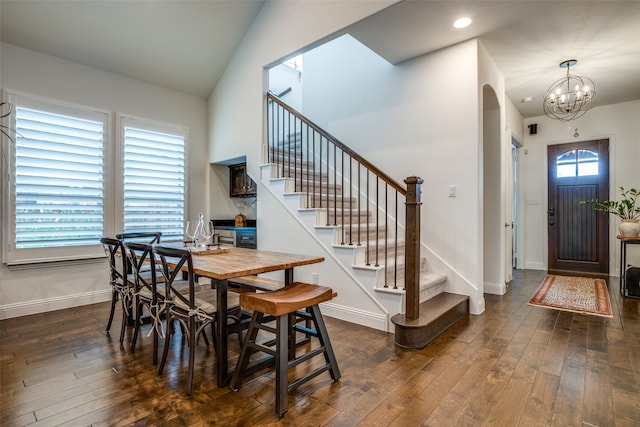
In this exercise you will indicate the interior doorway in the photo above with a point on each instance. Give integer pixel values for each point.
(515, 205)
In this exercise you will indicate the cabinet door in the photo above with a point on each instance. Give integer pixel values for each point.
(240, 185)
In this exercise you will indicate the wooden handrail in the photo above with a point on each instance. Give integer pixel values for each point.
(374, 169)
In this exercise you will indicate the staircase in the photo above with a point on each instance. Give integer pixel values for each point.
(358, 212)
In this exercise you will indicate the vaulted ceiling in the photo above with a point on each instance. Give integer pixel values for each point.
(185, 45)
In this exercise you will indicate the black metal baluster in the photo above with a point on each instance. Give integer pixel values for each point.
(386, 230)
(395, 255)
(295, 153)
(308, 167)
(314, 171)
(358, 204)
(368, 200)
(335, 193)
(377, 219)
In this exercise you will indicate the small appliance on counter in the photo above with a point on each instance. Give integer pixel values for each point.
(241, 220)
(239, 232)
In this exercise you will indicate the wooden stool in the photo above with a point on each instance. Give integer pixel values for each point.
(284, 305)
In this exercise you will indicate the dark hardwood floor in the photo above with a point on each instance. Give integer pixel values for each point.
(514, 365)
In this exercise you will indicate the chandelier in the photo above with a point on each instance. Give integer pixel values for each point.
(569, 97)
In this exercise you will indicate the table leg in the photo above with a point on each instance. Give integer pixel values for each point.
(288, 279)
(288, 276)
(623, 260)
(222, 342)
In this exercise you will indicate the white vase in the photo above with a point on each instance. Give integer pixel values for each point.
(629, 227)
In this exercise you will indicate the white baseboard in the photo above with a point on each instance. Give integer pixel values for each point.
(365, 318)
(25, 308)
(495, 288)
(534, 266)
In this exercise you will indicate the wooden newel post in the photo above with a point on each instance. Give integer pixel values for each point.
(412, 248)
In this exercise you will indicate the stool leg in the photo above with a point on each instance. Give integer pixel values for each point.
(282, 361)
(245, 352)
(323, 336)
(291, 335)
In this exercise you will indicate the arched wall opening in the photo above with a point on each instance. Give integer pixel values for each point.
(492, 227)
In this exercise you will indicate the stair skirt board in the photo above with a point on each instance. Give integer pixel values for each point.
(379, 321)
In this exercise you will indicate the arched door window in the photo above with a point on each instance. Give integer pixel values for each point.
(577, 163)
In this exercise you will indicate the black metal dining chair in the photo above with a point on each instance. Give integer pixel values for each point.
(194, 311)
(121, 283)
(121, 278)
(148, 292)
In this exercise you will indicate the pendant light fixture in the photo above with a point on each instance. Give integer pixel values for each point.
(569, 97)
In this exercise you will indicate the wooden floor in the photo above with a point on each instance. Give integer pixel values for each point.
(514, 365)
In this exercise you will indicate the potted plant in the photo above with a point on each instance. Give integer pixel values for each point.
(627, 209)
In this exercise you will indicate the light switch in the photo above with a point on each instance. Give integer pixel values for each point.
(452, 191)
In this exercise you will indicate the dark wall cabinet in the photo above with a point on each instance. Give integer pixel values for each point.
(240, 185)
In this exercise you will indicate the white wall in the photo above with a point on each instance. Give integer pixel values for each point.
(236, 106)
(283, 77)
(420, 118)
(621, 124)
(40, 288)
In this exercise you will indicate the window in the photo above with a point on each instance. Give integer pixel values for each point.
(72, 182)
(577, 163)
(59, 167)
(56, 191)
(154, 190)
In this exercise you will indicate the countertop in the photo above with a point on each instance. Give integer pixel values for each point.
(230, 224)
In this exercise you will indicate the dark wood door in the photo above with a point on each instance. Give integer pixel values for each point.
(578, 235)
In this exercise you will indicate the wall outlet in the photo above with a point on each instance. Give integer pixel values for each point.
(452, 191)
(314, 278)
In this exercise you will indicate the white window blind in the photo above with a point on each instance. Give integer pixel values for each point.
(59, 168)
(154, 187)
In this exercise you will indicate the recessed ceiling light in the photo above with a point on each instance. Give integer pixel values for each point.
(462, 22)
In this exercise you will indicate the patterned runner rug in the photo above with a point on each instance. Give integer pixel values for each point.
(577, 294)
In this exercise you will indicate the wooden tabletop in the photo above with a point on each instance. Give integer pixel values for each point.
(628, 238)
(238, 262)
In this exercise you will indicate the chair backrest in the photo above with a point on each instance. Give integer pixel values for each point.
(142, 259)
(115, 252)
(173, 261)
(149, 237)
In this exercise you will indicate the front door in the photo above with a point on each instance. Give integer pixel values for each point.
(578, 235)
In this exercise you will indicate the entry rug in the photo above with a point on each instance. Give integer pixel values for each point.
(577, 294)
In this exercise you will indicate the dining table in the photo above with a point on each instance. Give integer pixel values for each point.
(233, 262)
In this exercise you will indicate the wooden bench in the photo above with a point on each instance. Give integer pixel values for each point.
(248, 283)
